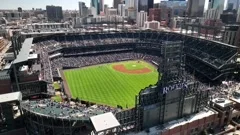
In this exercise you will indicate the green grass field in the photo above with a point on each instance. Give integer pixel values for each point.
(102, 84)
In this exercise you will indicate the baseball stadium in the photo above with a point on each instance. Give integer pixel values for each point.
(142, 78)
(111, 84)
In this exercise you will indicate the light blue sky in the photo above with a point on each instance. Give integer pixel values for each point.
(29, 4)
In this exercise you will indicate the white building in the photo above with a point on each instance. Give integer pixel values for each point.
(111, 12)
(152, 25)
(42, 26)
(83, 10)
(101, 19)
(121, 9)
(132, 13)
(129, 3)
(115, 18)
(212, 14)
(12, 16)
(217, 7)
(77, 22)
(238, 15)
(141, 18)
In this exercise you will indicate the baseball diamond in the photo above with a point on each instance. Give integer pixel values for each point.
(111, 84)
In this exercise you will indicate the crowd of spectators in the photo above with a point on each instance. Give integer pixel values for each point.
(82, 61)
(52, 58)
(225, 90)
(66, 109)
(52, 45)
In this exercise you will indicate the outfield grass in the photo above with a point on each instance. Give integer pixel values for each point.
(102, 84)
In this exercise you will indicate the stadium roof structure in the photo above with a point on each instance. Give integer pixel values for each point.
(24, 52)
(9, 97)
(104, 122)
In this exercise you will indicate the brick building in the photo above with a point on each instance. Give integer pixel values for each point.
(160, 14)
(154, 14)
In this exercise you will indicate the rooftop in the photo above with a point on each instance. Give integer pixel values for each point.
(235, 99)
(222, 102)
(49, 108)
(14, 96)
(104, 122)
(24, 52)
(176, 123)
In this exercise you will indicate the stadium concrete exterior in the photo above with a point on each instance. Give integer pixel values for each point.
(176, 95)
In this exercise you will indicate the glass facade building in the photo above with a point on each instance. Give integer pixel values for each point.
(144, 5)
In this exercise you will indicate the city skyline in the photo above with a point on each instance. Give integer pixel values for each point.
(65, 4)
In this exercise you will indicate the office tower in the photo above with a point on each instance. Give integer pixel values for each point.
(54, 13)
(238, 16)
(105, 8)
(144, 5)
(141, 18)
(132, 13)
(154, 14)
(101, 5)
(197, 8)
(129, 3)
(116, 2)
(218, 4)
(121, 9)
(234, 3)
(95, 7)
(83, 10)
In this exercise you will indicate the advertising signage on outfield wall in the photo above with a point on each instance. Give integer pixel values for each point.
(173, 87)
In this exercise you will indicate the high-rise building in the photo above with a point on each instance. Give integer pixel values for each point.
(230, 34)
(154, 14)
(83, 10)
(156, 5)
(105, 8)
(238, 16)
(101, 5)
(95, 7)
(129, 3)
(111, 12)
(197, 8)
(132, 13)
(234, 3)
(19, 9)
(218, 4)
(54, 13)
(116, 2)
(212, 14)
(160, 14)
(178, 7)
(121, 9)
(141, 18)
(144, 5)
